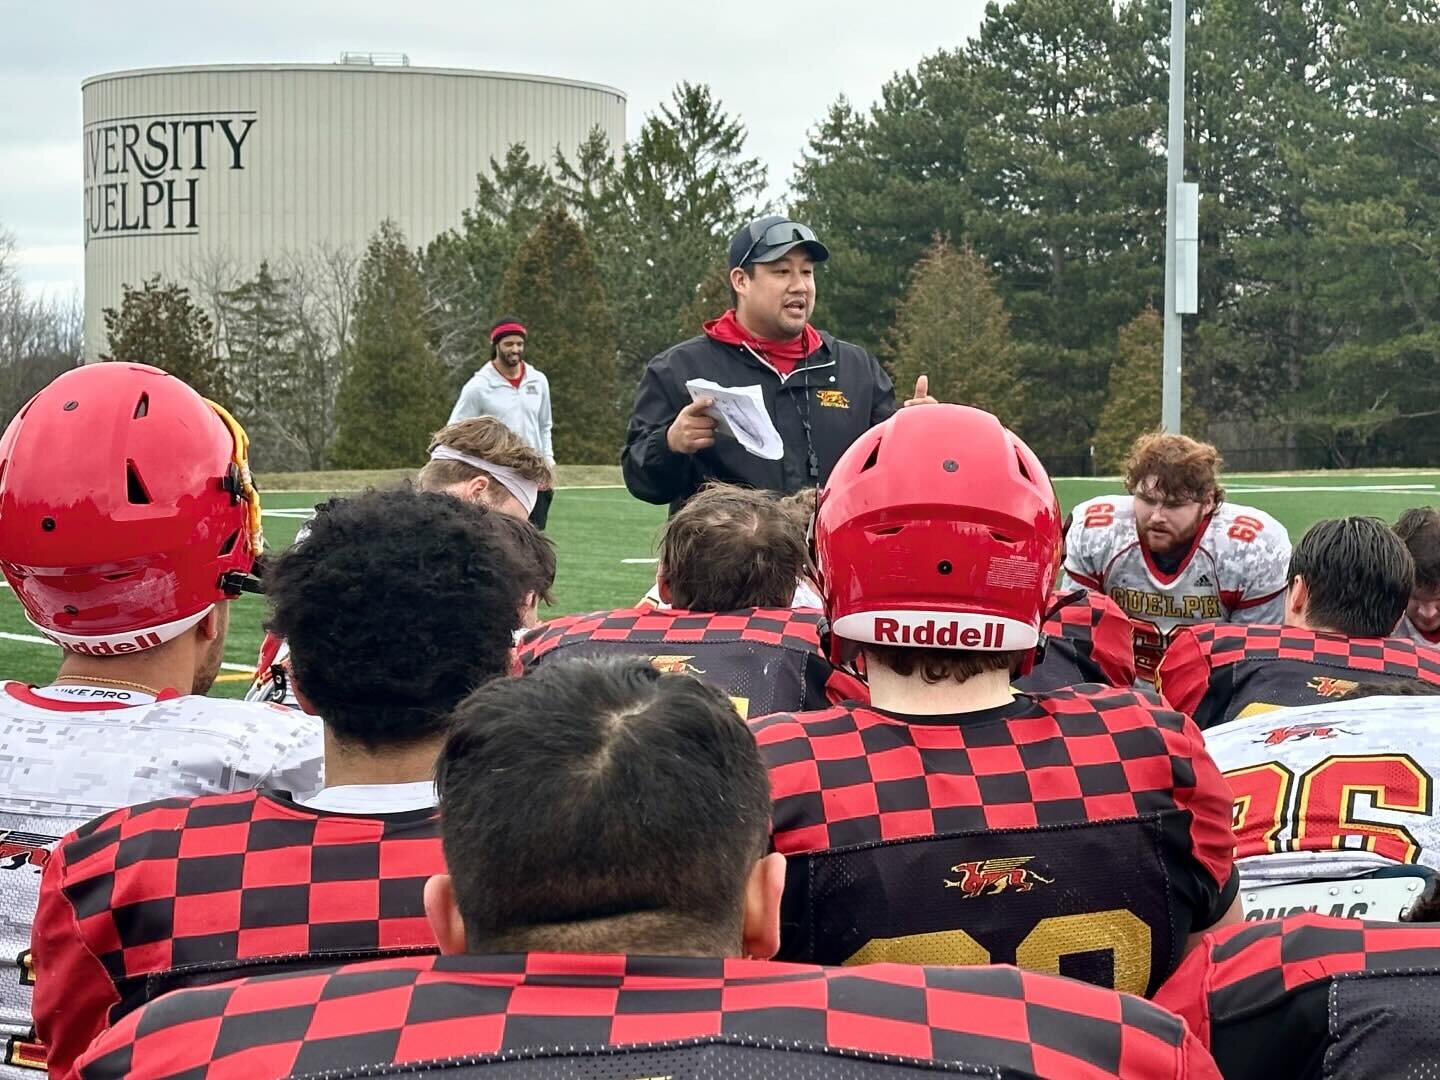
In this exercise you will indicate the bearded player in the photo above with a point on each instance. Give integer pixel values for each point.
(610, 911)
(1172, 553)
(128, 523)
(1084, 831)
(1348, 584)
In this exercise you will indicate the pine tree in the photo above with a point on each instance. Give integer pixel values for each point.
(1132, 403)
(553, 285)
(951, 325)
(658, 222)
(158, 324)
(396, 392)
(261, 349)
(462, 269)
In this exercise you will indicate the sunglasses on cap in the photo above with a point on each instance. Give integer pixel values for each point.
(782, 232)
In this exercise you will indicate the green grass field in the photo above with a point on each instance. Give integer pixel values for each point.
(605, 540)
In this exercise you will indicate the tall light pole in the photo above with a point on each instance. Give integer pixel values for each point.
(1181, 234)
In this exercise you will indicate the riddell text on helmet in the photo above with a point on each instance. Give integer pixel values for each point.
(103, 648)
(948, 635)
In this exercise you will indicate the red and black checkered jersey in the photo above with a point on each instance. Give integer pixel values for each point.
(188, 890)
(767, 659)
(1088, 640)
(1217, 672)
(1312, 996)
(673, 1015)
(1085, 831)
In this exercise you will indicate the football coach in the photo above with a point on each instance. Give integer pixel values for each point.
(821, 393)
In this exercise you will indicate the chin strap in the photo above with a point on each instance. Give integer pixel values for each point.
(238, 480)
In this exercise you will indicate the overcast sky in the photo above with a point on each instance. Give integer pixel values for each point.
(777, 65)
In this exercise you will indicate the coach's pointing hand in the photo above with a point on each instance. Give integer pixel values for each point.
(922, 393)
(692, 430)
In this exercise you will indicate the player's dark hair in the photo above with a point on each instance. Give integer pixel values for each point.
(600, 805)
(1184, 469)
(1396, 688)
(1358, 574)
(534, 555)
(942, 665)
(1419, 528)
(730, 548)
(396, 606)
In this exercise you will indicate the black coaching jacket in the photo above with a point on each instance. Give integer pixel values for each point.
(833, 396)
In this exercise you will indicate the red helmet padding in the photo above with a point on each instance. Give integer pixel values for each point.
(114, 511)
(938, 511)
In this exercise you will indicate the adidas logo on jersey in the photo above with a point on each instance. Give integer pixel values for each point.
(1203, 581)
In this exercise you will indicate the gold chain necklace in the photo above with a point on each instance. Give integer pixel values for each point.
(119, 684)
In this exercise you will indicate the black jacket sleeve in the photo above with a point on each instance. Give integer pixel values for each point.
(653, 472)
(883, 406)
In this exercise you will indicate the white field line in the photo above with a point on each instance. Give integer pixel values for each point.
(35, 639)
(1273, 489)
(1362, 489)
(639, 562)
(356, 491)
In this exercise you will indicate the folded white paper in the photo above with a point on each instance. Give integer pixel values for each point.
(740, 412)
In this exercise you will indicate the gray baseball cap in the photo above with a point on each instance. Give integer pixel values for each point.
(769, 238)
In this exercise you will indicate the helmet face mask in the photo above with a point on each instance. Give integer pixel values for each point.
(938, 529)
(126, 508)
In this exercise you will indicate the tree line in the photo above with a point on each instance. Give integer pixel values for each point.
(996, 220)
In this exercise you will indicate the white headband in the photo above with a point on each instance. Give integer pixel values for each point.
(525, 491)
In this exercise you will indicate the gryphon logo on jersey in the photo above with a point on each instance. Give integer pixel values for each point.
(21, 849)
(1318, 730)
(675, 665)
(989, 877)
(1326, 686)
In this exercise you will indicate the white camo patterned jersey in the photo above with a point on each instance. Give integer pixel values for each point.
(1333, 790)
(1234, 572)
(65, 762)
(1406, 629)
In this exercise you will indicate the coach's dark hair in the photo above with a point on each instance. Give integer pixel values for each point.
(731, 547)
(599, 805)
(1419, 528)
(396, 606)
(1358, 574)
(1394, 688)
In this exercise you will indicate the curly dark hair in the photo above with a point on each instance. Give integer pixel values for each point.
(396, 606)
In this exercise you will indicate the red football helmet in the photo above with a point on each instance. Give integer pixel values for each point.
(126, 508)
(937, 528)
